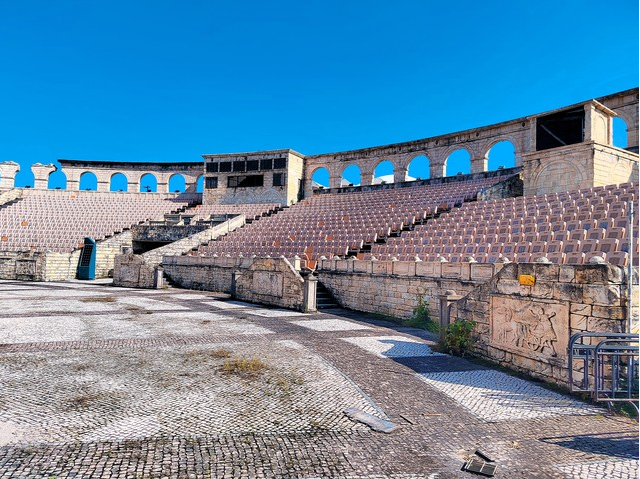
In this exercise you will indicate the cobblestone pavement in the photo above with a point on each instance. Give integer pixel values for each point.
(104, 382)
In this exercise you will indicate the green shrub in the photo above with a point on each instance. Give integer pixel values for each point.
(420, 317)
(457, 337)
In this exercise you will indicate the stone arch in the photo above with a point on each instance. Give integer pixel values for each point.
(148, 183)
(320, 177)
(118, 182)
(383, 172)
(88, 181)
(419, 168)
(57, 180)
(177, 183)
(200, 184)
(458, 161)
(620, 132)
(351, 176)
(501, 153)
(24, 178)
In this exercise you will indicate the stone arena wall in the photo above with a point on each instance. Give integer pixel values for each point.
(524, 313)
(392, 288)
(54, 266)
(272, 281)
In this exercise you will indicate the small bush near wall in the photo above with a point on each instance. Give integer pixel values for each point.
(457, 337)
(421, 317)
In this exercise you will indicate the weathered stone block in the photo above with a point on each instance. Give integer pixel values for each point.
(451, 270)
(579, 308)
(578, 322)
(481, 271)
(609, 312)
(566, 274)
(568, 292)
(546, 272)
(512, 286)
(590, 274)
(542, 289)
(605, 295)
(428, 268)
(605, 325)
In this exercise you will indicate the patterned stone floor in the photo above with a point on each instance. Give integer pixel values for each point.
(103, 382)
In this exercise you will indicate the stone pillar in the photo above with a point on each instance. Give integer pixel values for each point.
(191, 183)
(162, 182)
(334, 181)
(41, 175)
(436, 170)
(158, 277)
(73, 178)
(103, 180)
(8, 170)
(234, 281)
(366, 178)
(400, 174)
(446, 300)
(479, 164)
(309, 304)
(308, 188)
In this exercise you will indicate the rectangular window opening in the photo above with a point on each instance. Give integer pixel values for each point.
(249, 181)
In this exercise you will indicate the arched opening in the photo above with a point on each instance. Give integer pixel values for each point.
(57, 180)
(419, 169)
(619, 132)
(88, 181)
(118, 182)
(177, 183)
(458, 161)
(383, 173)
(24, 178)
(502, 154)
(320, 178)
(351, 176)
(148, 183)
(200, 184)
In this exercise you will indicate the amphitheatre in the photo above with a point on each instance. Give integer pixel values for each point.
(257, 322)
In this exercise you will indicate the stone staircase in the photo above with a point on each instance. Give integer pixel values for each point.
(324, 299)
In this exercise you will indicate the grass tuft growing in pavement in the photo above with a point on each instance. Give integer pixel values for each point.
(244, 367)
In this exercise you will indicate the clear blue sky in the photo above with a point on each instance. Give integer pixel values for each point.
(171, 80)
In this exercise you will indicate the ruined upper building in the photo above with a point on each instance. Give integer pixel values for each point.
(564, 149)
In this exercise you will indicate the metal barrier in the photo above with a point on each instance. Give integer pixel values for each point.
(607, 367)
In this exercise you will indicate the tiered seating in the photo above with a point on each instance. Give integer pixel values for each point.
(59, 220)
(566, 227)
(333, 224)
(251, 211)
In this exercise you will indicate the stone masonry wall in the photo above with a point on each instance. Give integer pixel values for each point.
(26, 266)
(392, 287)
(131, 271)
(526, 314)
(271, 281)
(53, 266)
(203, 272)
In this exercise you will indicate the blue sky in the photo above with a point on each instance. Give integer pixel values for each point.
(170, 81)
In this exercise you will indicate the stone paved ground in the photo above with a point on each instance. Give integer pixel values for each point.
(103, 382)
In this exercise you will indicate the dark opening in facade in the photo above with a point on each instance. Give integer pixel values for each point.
(560, 129)
(245, 181)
